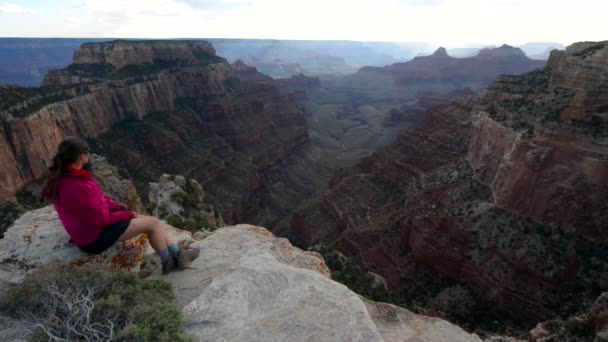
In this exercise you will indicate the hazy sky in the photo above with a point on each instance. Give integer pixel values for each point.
(449, 22)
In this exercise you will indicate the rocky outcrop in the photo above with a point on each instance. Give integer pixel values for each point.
(119, 189)
(27, 144)
(539, 142)
(182, 202)
(440, 52)
(38, 238)
(589, 326)
(244, 277)
(272, 291)
(476, 72)
(219, 121)
(501, 197)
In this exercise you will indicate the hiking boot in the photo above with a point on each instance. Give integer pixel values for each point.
(185, 257)
(169, 265)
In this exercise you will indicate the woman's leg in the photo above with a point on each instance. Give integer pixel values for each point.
(157, 235)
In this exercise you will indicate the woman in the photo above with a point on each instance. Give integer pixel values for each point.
(92, 219)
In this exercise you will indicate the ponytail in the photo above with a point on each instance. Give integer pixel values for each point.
(68, 151)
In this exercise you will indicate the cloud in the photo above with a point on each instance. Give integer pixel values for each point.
(447, 22)
(420, 2)
(136, 8)
(218, 5)
(14, 9)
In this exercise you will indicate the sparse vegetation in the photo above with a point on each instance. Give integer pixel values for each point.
(189, 201)
(150, 208)
(9, 212)
(596, 126)
(59, 302)
(20, 102)
(529, 101)
(589, 51)
(349, 274)
(528, 130)
(106, 71)
(30, 200)
(194, 225)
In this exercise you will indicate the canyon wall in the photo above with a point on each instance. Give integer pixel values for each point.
(238, 108)
(476, 71)
(497, 203)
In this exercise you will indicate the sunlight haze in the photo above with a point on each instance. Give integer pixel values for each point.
(447, 22)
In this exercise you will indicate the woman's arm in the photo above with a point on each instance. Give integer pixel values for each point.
(113, 206)
(92, 208)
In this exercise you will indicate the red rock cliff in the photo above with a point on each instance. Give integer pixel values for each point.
(502, 198)
(543, 152)
(123, 82)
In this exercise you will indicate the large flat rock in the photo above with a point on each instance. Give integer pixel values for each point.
(248, 285)
(38, 238)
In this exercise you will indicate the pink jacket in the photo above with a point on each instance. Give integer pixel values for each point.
(83, 208)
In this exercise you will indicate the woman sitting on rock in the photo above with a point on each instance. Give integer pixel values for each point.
(92, 219)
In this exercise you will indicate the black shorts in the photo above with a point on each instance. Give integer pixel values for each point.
(108, 236)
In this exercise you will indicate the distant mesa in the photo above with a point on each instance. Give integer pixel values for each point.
(505, 51)
(121, 59)
(476, 71)
(120, 53)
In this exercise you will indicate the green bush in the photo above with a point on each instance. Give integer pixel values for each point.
(150, 207)
(194, 225)
(188, 201)
(59, 302)
(350, 275)
(175, 221)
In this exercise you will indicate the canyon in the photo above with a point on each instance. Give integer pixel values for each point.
(180, 107)
(477, 197)
(493, 208)
(25, 61)
(351, 116)
(261, 146)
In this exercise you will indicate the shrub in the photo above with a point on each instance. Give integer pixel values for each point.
(175, 221)
(194, 225)
(150, 207)
(189, 201)
(9, 212)
(350, 275)
(60, 302)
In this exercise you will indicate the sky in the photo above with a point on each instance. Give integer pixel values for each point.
(449, 22)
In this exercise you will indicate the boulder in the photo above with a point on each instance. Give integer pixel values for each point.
(248, 284)
(38, 238)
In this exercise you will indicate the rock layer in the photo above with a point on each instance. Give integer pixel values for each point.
(28, 144)
(122, 53)
(473, 71)
(219, 123)
(503, 197)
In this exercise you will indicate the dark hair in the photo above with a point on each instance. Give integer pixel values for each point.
(68, 151)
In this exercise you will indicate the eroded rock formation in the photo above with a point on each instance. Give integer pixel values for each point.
(502, 196)
(221, 124)
(476, 71)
